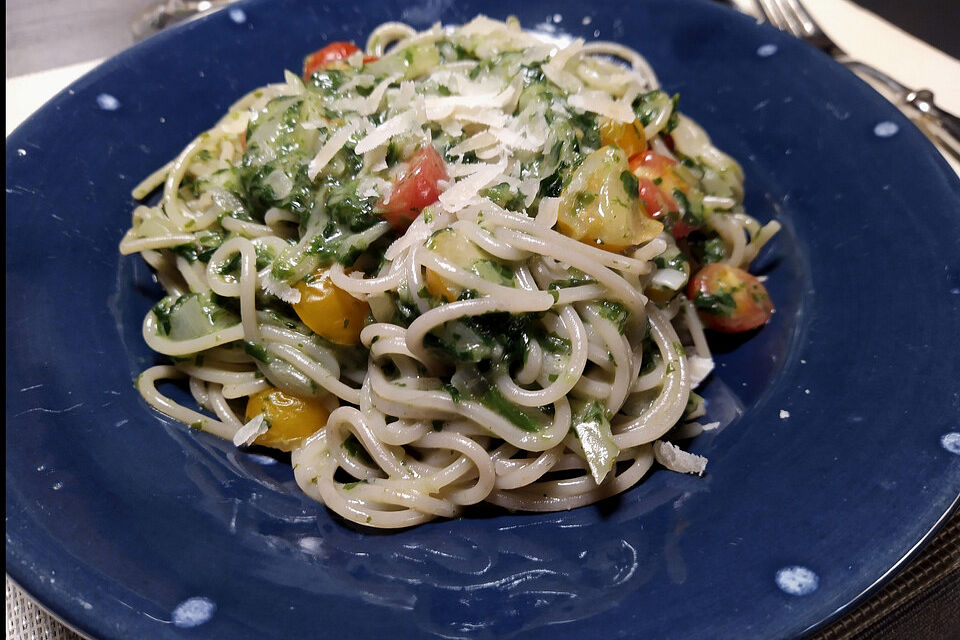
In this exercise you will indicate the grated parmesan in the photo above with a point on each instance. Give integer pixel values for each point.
(466, 191)
(396, 125)
(554, 70)
(330, 148)
(676, 459)
(601, 103)
(700, 368)
(248, 433)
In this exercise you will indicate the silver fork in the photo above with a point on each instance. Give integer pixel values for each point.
(790, 16)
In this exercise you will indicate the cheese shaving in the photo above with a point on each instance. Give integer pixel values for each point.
(330, 148)
(554, 70)
(466, 190)
(481, 140)
(248, 433)
(443, 107)
(370, 104)
(278, 288)
(699, 368)
(517, 140)
(601, 103)
(676, 459)
(489, 117)
(396, 125)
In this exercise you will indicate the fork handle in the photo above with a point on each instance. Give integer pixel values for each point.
(922, 101)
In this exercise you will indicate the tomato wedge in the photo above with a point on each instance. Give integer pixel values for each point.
(333, 52)
(729, 299)
(658, 181)
(416, 188)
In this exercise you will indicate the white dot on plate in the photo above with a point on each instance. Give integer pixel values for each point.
(107, 102)
(951, 442)
(587, 20)
(312, 544)
(784, 414)
(238, 15)
(797, 581)
(885, 129)
(766, 50)
(21, 152)
(557, 17)
(193, 612)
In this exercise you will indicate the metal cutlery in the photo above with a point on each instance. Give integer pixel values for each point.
(160, 15)
(790, 16)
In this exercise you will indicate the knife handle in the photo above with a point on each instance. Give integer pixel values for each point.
(922, 101)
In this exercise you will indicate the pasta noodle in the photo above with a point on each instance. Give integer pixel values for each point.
(453, 268)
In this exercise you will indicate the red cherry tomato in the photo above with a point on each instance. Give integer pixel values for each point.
(333, 52)
(653, 160)
(416, 188)
(729, 299)
(657, 196)
(655, 202)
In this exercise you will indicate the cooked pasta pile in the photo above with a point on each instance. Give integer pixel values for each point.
(464, 265)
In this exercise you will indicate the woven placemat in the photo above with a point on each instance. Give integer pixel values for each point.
(27, 621)
(920, 603)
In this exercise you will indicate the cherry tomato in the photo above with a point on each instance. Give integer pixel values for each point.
(329, 311)
(655, 202)
(597, 208)
(658, 181)
(291, 418)
(416, 188)
(461, 251)
(653, 161)
(333, 52)
(729, 299)
(627, 136)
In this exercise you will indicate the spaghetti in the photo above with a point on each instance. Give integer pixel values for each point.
(451, 269)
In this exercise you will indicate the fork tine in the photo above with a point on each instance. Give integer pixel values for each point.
(787, 13)
(771, 13)
(775, 15)
(807, 25)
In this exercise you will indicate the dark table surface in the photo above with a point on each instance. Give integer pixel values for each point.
(936, 22)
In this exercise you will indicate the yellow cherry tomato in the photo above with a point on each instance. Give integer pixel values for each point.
(291, 418)
(600, 206)
(440, 288)
(458, 249)
(329, 311)
(628, 136)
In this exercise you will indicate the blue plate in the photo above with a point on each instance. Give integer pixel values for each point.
(838, 456)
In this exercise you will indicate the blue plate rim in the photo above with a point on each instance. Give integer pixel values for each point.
(46, 596)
